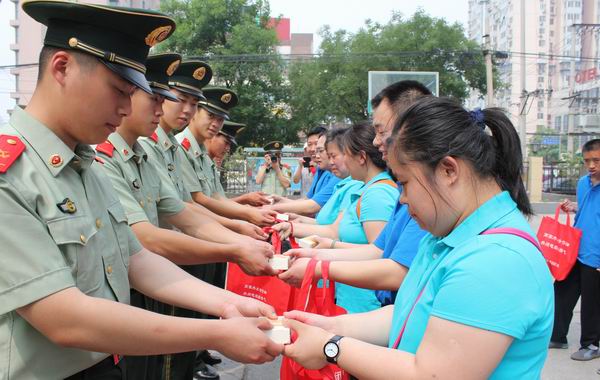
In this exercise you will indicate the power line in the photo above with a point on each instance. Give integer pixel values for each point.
(437, 53)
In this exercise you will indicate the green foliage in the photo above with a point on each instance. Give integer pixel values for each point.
(218, 30)
(277, 100)
(334, 86)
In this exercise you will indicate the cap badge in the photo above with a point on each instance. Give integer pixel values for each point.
(276, 145)
(226, 98)
(172, 67)
(158, 35)
(199, 73)
(67, 206)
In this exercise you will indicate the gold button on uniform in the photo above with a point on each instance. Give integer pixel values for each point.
(109, 269)
(98, 223)
(11, 142)
(142, 203)
(82, 238)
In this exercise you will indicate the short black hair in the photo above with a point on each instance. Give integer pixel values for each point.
(316, 131)
(591, 145)
(401, 94)
(86, 61)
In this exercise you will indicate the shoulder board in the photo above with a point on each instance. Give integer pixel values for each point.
(185, 143)
(99, 159)
(11, 148)
(154, 137)
(106, 148)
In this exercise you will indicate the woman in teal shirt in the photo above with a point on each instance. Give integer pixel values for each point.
(473, 305)
(368, 209)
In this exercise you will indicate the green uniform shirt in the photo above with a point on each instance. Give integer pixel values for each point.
(47, 248)
(162, 151)
(204, 168)
(143, 189)
(271, 184)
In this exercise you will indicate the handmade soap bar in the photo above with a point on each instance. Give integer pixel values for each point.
(306, 242)
(280, 262)
(279, 333)
(283, 217)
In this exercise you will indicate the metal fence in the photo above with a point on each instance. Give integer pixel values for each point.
(238, 174)
(561, 177)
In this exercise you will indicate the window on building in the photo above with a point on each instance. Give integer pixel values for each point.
(540, 116)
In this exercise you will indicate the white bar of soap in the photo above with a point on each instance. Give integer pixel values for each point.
(279, 333)
(306, 242)
(280, 262)
(283, 217)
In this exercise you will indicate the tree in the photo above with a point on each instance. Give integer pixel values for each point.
(235, 38)
(334, 86)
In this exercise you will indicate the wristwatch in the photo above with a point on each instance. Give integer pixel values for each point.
(332, 349)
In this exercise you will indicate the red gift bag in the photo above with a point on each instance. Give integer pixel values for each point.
(560, 244)
(268, 289)
(321, 301)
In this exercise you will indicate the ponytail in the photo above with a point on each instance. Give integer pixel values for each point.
(508, 168)
(434, 128)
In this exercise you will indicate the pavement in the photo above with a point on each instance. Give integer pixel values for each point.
(558, 366)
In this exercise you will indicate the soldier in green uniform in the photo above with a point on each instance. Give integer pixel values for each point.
(147, 194)
(207, 122)
(186, 83)
(70, 257)
(224, 142)
(273, 175)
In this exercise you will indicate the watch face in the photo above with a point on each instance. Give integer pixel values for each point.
(331, 350)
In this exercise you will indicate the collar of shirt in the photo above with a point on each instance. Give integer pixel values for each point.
(343, 182)
(164, 140)
(44, 142)
(481, 219)
(125, 151)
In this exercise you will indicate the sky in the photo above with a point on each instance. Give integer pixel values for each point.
(307, 16)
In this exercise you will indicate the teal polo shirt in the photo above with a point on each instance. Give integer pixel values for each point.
(496, 282)
(377, 204)
(338, 201)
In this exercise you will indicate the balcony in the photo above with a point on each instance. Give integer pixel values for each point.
(14, 47)
(14, 23)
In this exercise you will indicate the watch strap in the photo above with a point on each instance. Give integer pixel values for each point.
(335, 339)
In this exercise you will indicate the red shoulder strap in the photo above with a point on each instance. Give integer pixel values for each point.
(382, 181)
(11, 148)
(106, 148)
(185, 143)
(154, 137)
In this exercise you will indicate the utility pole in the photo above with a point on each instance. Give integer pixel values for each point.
(571, 125)
(523, 115)
(489, 74)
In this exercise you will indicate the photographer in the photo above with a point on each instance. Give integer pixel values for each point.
(273, 176)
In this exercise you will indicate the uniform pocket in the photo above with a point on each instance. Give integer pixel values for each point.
(72, 235)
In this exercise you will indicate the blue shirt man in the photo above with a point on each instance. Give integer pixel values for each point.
(588, 220)
(399, 241)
